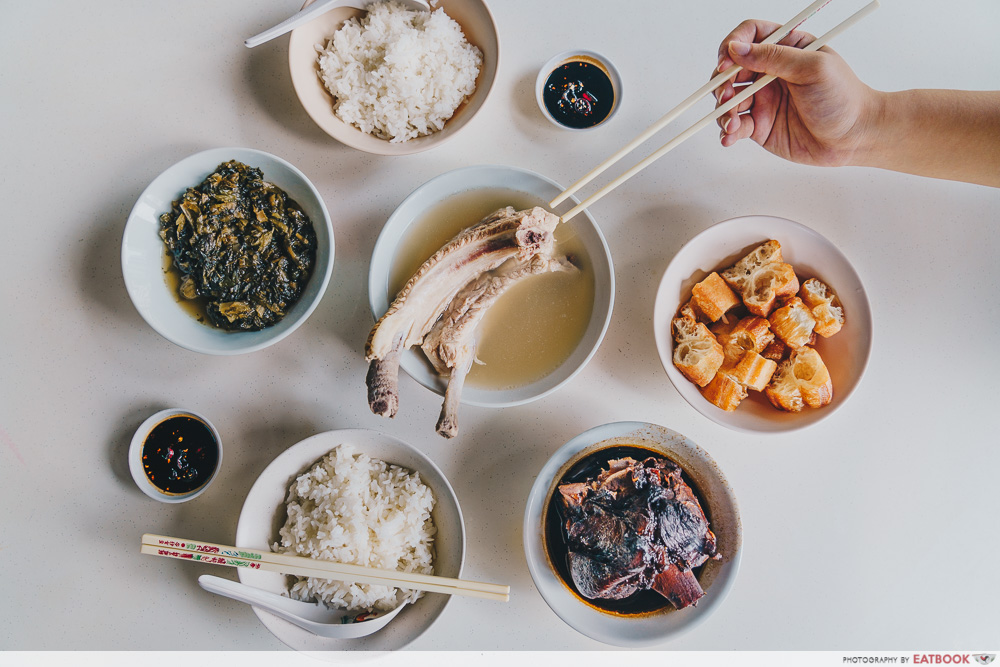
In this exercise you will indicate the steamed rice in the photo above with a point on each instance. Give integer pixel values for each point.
(399, 74)
(354, 509)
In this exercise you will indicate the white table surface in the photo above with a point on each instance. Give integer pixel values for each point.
(877, 529)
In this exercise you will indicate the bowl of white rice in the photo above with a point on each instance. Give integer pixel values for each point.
(390, 81)
(360, 497)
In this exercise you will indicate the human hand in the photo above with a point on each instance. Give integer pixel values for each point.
(816, 112)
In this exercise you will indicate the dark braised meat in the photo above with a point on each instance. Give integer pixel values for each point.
(242, 244)
(637, 526)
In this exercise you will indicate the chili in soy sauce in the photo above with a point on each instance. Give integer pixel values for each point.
(579, 94)
(180, 454)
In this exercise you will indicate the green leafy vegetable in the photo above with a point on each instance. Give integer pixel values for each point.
(242, 245)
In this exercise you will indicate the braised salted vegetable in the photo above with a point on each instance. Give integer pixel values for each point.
(242, 245)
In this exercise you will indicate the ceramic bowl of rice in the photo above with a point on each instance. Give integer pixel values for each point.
(394, 82)
(360, 497)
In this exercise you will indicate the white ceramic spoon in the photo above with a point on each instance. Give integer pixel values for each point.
(313, 617)
(317, 8)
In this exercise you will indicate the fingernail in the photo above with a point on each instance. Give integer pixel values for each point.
(725, 125)
(739, 48)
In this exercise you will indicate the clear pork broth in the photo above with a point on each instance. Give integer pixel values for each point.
(535, 326)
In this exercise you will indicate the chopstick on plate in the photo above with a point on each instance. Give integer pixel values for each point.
(255, 559)
(716, 81)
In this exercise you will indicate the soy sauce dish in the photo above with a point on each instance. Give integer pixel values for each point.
(175, 455)
(578, 90)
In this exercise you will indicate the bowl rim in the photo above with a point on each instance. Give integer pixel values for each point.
(384, 146)
(267, 336)
(664, 346)
(135, 456)
(387, 242)
(584, 619)
(565, 56)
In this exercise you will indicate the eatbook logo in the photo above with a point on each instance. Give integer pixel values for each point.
(984, 658)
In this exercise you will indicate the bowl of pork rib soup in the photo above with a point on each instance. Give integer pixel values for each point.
(482, 295)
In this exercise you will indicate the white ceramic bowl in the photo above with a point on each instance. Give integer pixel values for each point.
(424, 199)
(263, 514)
(718, 503)
(143, 253)
(135, 457)
(569, 56)
(845, 354)
(480, 30)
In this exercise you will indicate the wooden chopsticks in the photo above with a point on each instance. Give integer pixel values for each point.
(254, 559)
(716, 81)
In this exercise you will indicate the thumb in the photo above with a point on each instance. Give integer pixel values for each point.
(785, 62)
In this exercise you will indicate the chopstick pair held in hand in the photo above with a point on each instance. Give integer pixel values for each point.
(254, 559)
(720, 79)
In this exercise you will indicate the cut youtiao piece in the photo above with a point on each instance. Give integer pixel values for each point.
(793, 323)
(751, 333)
(724, 391)
(713, 298)
(801, 380)
(697, 354)
(762, 277)
(824, 305)
(475, 250)
(753, 371)
(450, 345)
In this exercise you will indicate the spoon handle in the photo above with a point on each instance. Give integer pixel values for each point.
(303, 16)
(276, 604)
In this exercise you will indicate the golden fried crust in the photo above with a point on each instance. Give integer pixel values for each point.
(761, 278)
(713, 297)
(824, 305)
(751, 333)
(801, 380)
(697, 354)
(724, 392)
(793, 323)
(753, 371)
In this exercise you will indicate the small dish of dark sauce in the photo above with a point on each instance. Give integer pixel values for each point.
(640, 603)
(174, 455)
(578, 90)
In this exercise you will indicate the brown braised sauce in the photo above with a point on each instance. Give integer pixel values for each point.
(642, 602)
(180, 454)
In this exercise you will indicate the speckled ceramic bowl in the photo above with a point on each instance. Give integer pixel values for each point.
(717, 501)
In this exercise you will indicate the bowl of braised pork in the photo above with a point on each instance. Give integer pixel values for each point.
(481, 294)
(632, 534)
(763, 325)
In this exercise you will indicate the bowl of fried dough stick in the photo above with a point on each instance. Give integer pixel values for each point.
(763, 325)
